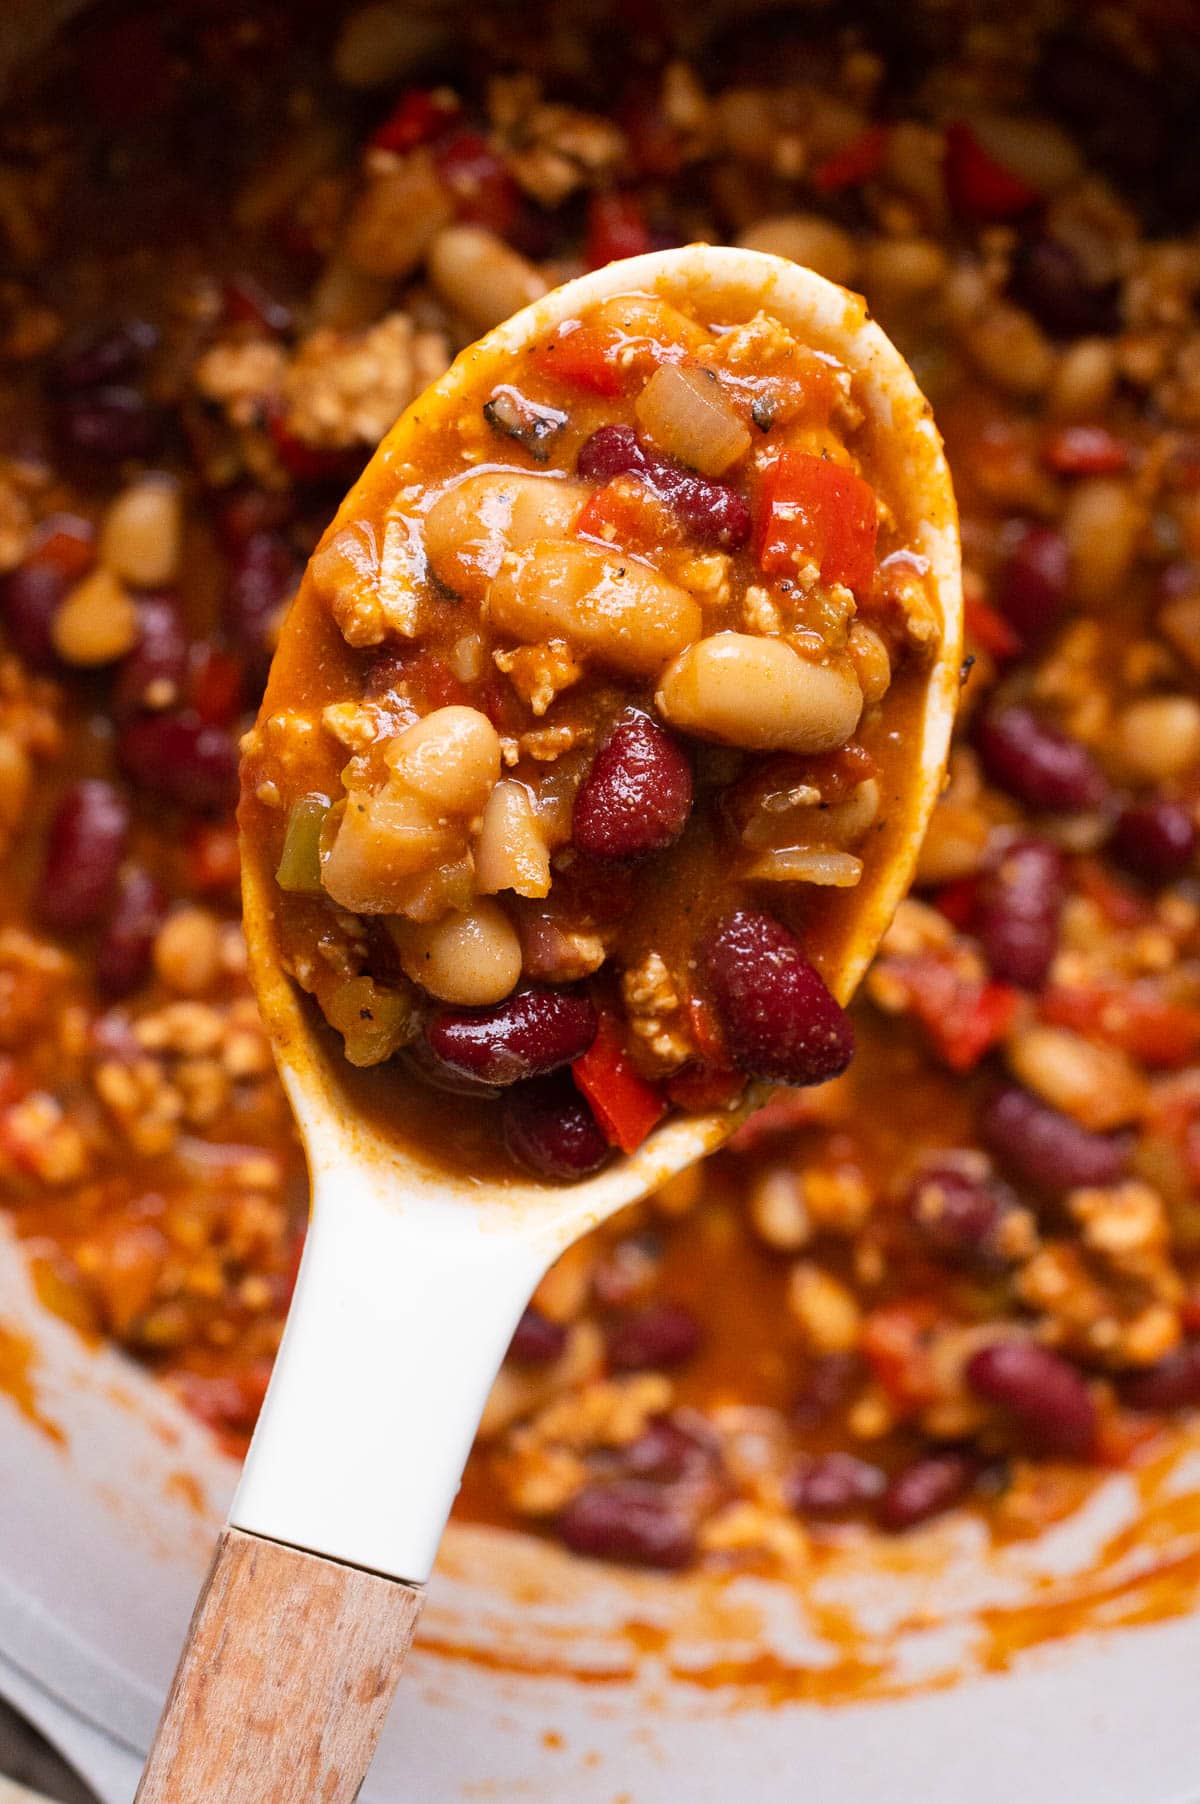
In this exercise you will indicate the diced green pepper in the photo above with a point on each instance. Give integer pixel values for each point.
(300, 863)
(374, 1020)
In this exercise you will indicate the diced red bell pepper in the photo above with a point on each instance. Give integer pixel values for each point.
(628, 513)
(1119, 902)
(654, 146)
(964, 1016)
(980, 188)
(989, 630)
(1121, 1436)
(616, 228)
(1085, 451)
(895, 1344)
(812, 511)
(1156, 1032)
(699, 1087)
(307, 463)
(861, 159)
(484, 192)
(624, 1104)
(584, 356)
(65, 543)
(957, 901)
(215, 685)
(419, 116)
(432, 682)
(213, 861)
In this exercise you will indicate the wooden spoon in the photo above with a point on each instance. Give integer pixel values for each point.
(412, 1281)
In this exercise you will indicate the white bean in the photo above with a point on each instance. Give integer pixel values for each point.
(470, 527)
(1102, 524)
(806, 238)
(381, 843)
(470, 957)
(1098, 1086)
(450, 760)
(759, 694)
(1158, 737)
(480, 277)
(393, 221)
(142, 532)
(625, 614)
(511, 852)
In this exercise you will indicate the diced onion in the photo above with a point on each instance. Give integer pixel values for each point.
(685, 412)
(808, 864)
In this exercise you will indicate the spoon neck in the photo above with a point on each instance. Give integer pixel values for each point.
(401, 1317)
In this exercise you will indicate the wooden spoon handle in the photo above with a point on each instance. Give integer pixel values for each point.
(284, 1684)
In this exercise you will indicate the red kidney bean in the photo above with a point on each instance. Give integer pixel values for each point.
(1047, 1398)
(712, 512)
(828, 1384)
(262, 573)
(957, 1211)
(926, 1488)
(98, 358)
(153, 674)
(1050, 281)
(445, 1077)
(1048, 1151)
(629, 1521)
(110, 423)
(1037, 763)
(1174, 1383)
(549, 1129)
(532, 1033)
(637, 796)
(780, 1020)
(88, 835)
(663, 1334)
(1017, 912)
(127, 943)
(537, 1341)
(1156, 840)
(30, 597)
(245, 512)
(832, 1485)
(667, 1452)
(1035, 583)
(178, 757)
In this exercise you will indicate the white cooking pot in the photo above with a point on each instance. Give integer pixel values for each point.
(931, 1669)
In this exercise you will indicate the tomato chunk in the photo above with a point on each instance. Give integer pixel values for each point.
(419, 115)
(1150, 1027)
(862, 158)
(979, 187)
(616, 228)
(989, 630)
(964, 1016)
(624, 1104)
(812, 511)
